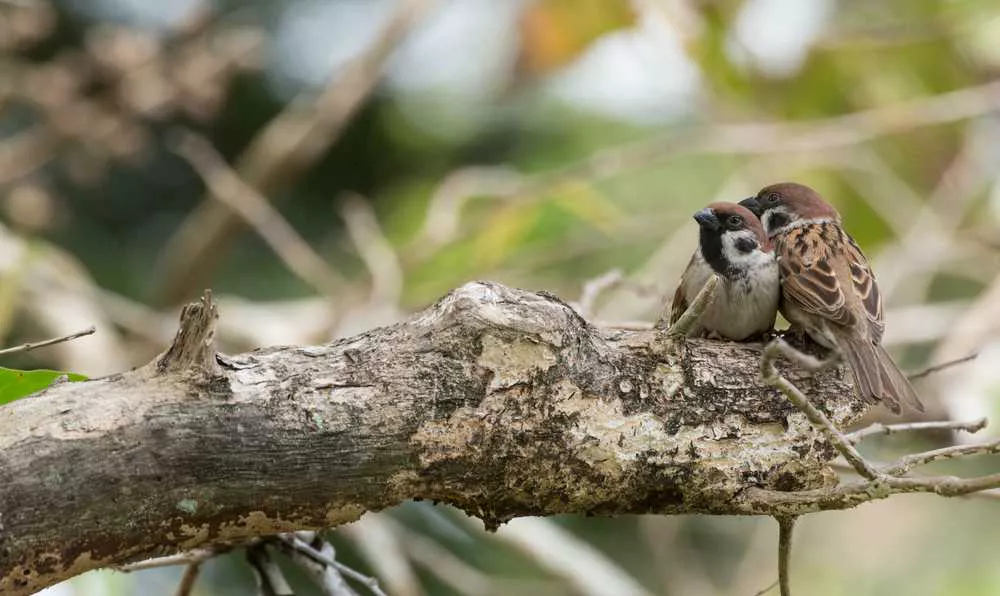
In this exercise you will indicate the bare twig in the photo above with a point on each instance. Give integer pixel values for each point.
(48, 342)
(446, 566)
(189, 578)
(852, 494)
(281, 151)
(769, 373)
(374, 248)
(589, 571)
(226, 187)
(756, 138)
(908, 462)
(327, 577)
(878, 428)
(693, 314)
(944, 365)
(593, 288)
(296, 543)
(377, 541)
(625, 325)
(191, 557)
(786, 524)
(989, 494)
(270, 579)
(441, 223)
(767, 589)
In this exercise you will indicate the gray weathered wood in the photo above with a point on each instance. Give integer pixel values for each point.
(498, 401)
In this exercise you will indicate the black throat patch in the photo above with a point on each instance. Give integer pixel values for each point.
(711, 251)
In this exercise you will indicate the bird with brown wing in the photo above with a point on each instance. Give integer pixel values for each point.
(828, 289)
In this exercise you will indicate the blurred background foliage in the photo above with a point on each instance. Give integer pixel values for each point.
(409, 146)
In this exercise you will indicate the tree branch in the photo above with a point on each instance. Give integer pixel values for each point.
(771, 376)
(501, 402)
(786, 524)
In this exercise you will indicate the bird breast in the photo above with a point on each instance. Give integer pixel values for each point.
(745, 303)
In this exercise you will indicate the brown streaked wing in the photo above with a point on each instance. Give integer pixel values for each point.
(808, 279)
(866, 288)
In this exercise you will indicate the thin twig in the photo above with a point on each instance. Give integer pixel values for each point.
(377, 541)
(442, 221)
(374, 248)
(593, 288)
(767, 589)
(270, 579)
(188, 579)
(625, 325)
(761, 138)
(48, 342)
(687, 321)
(878, 428)
(300, 545)
(908, 462)
(851, 494)
(462, 577)
(327, 577)
(786, 524)
(989, 494)
(199, 555)
(589, 571)
(944, 365)
(770, 375)
(278, 155)
(229, 189)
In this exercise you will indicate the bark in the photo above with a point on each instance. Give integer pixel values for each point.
(498, 401)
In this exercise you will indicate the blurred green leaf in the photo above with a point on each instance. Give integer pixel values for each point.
(503, 232)
(584, 201)
(15, 384)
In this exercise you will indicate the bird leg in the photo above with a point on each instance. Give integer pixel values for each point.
(805, 361)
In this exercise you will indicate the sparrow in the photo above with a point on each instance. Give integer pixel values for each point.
(733, 245)
(828, 289)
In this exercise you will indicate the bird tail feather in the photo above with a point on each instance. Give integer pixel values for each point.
(895, 382)
(865, 364)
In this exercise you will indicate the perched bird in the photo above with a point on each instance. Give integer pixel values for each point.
(828, 288)
(732, 244)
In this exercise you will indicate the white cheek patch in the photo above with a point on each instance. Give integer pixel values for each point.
(739, 259)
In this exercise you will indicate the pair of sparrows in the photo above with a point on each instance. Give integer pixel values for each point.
(785, 249)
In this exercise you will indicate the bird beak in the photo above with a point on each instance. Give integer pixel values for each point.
(752, 204)
(706, 218)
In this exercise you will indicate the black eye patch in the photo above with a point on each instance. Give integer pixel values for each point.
(745, 245)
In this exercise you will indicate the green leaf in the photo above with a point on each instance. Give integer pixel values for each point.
(15, 384)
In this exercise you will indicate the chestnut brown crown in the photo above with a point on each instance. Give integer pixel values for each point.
(781, 205)
(731, 216)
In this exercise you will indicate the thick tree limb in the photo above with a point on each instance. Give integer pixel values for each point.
(501, 402)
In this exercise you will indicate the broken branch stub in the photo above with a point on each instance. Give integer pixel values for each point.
(193, 347)
(499, 401)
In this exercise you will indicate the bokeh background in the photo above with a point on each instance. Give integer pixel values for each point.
(365, 156)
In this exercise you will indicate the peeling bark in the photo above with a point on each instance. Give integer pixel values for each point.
(499, 401)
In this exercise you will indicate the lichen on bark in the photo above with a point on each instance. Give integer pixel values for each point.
(499, 401)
